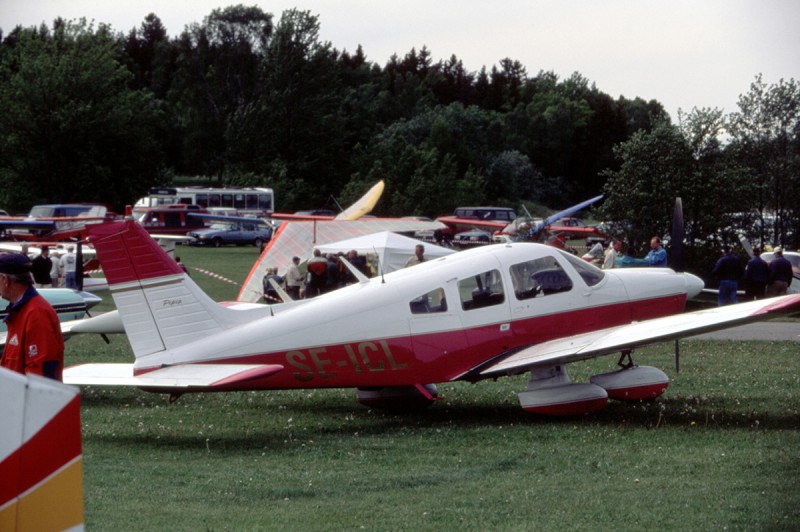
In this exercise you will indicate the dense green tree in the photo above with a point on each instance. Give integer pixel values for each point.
(217, 73)
(668, 162)
(243, 102)
(456, 141)
(766, 144)
(294, 127)
(72, 129)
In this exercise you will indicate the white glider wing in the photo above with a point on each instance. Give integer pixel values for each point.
(638, 334)
(181, 377)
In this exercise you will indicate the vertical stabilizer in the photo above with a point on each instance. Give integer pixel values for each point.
(159, 305)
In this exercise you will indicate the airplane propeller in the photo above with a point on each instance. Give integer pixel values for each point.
(539, 226)
(677, 236)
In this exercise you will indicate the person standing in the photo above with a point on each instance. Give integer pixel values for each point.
(613, 253)
(68, 266)
(271, 295)
(54, 272)
(41, 266)
(34, 342)
(756, 276)
(293, 278)
(780, 274)
(729, 270)
(317, 276)
(418, 257)
(183, 266)
(657, 256)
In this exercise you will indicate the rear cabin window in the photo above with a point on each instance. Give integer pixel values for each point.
(433, 301)
(539, 277)
(481, 290)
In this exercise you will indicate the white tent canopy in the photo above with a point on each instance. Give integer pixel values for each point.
(393, 250)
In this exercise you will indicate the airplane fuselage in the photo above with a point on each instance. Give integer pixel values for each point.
(433, 322)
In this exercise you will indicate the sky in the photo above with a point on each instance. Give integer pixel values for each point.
(683, 53)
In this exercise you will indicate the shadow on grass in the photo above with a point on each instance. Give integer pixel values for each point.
(287, 421)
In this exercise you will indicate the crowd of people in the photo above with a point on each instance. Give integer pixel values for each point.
(323, 274)
(760, 279)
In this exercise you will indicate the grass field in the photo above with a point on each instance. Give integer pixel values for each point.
(720, 450)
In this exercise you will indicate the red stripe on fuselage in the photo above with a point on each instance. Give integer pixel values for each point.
(56, 444)
(434, 357)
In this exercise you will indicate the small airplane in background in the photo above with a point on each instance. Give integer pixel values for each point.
(55, 223)
(478, 314)
(554, 230)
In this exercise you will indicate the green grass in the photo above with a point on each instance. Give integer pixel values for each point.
(721, 449)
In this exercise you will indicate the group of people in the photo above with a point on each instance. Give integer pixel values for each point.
(761, 279)
(323, 274)
(615, 258)
(47, 272)
(34, 342)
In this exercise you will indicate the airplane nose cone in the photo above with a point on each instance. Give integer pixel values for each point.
(694, 285)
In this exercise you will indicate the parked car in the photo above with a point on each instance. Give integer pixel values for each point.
(240, 234)
(502, 214)
(470, 238)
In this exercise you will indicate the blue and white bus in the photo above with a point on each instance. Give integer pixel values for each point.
(255, 201)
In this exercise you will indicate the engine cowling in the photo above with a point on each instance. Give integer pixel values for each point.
(397, 398)
(633, 384)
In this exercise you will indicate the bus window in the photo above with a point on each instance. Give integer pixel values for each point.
(265, 202)
(227, 200)
(201, 199)
(238, 201)
(214, 200)
(251, 201)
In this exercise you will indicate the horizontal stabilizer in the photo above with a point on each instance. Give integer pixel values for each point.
(640, 334)
(182, 377)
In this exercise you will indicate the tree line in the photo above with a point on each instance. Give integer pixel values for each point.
(243, 99)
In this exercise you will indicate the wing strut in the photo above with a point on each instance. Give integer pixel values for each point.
(677, 356)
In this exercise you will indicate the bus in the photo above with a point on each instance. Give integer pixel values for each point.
(252, 201)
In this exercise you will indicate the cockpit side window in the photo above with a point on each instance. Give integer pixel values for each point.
(481, 290)
(589, 273)
(433, 301)
(539, 277)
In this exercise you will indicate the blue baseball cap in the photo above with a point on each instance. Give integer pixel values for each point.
(14, 263)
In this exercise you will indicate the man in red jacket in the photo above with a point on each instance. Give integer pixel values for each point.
(34, 343)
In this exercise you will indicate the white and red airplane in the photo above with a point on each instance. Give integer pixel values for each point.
(482, 313)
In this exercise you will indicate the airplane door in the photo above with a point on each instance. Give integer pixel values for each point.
(437, 334)
(485, 312)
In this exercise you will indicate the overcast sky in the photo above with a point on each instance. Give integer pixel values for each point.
(683, 53)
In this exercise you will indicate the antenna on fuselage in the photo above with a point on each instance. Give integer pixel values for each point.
(380, 265)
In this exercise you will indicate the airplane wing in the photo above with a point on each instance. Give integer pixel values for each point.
(464, 224)
(180, 378)
(639, 334)
(41, 225)
(364, 205)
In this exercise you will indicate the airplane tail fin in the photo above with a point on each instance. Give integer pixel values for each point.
(160, 306)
